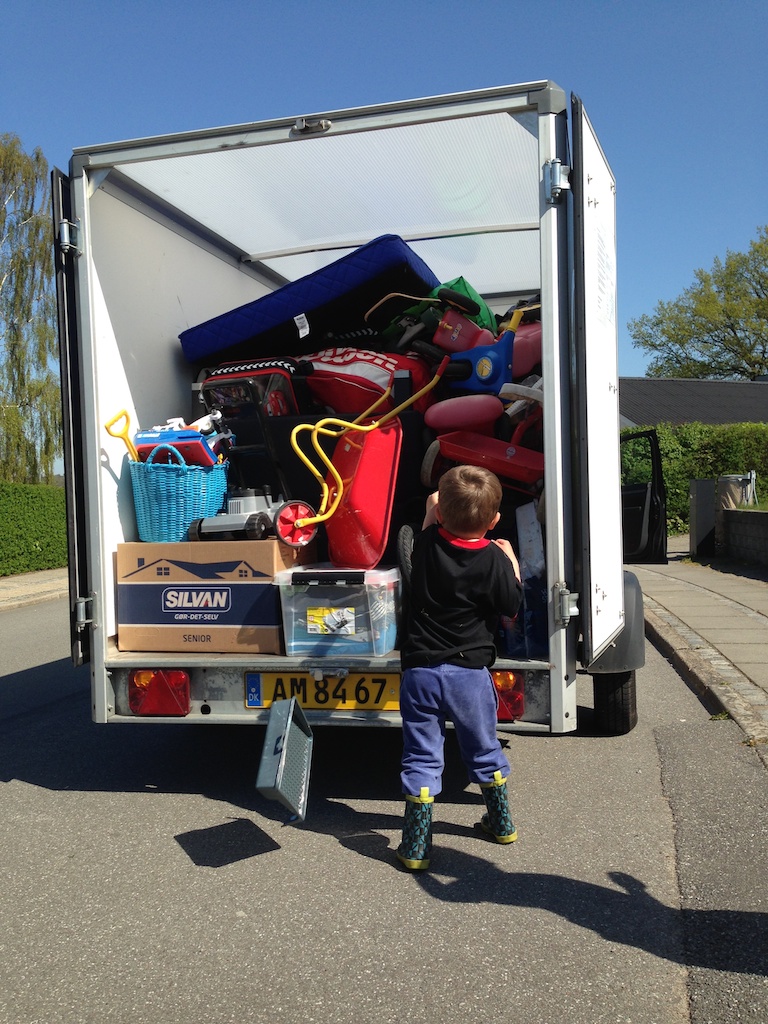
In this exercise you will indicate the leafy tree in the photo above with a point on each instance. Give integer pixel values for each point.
(30, 412)
(718, 328)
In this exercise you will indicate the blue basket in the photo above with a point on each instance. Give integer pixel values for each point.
(170, 496)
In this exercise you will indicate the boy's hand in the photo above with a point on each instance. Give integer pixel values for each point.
(430, 516)
(508, 550)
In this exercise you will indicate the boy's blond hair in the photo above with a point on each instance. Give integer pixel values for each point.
(468, 499)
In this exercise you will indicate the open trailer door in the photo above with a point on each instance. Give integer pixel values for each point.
(65, 254)
(598, 459)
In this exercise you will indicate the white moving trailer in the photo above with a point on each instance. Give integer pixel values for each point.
(508, 187)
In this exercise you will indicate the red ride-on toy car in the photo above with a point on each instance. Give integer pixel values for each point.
(468, 432)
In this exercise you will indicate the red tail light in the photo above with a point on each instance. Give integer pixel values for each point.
(159, 692)
(510, 687)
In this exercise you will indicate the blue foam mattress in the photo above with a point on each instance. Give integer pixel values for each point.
(331, 302)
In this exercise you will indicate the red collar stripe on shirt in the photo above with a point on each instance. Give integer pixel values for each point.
(460, 542)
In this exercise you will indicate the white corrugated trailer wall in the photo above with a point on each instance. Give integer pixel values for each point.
(141, 293)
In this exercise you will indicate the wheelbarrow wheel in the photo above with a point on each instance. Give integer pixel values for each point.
(285, 524)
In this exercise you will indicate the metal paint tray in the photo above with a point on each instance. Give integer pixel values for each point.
(286, 758)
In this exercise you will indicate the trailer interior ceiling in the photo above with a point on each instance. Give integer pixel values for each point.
(462, 190)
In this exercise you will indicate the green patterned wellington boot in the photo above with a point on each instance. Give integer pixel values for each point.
(498, 821)
(415, 848)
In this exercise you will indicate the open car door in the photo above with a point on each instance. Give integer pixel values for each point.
(643, 499)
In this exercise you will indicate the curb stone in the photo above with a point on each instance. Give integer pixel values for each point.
(706, 671)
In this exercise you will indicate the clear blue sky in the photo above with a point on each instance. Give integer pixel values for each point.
(677, 92)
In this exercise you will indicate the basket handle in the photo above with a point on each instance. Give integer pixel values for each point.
(170, 448)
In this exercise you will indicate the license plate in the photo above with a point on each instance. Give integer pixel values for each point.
(359, 691)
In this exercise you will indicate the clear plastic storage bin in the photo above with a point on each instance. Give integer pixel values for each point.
(329, 611)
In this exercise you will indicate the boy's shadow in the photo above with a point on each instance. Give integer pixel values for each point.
(623, 912)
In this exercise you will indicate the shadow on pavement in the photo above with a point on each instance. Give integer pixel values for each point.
(56, 746)
(723, 940)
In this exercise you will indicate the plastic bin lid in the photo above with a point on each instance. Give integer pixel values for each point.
(330, 576)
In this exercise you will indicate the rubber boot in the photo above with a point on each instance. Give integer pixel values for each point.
(498, 821)
(415, 848)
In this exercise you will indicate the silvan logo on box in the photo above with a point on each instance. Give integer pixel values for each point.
(188, 598)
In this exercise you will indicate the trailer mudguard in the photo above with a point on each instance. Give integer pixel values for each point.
(627, 652)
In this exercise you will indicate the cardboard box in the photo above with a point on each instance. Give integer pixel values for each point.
(212, 596)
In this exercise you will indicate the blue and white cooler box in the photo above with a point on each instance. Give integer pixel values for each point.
(328, 611)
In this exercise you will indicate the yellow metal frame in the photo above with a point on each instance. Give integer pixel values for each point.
(331, 426)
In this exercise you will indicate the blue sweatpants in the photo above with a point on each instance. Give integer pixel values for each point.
(466, 696)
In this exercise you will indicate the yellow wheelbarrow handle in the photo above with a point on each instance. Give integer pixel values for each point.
(331, 426)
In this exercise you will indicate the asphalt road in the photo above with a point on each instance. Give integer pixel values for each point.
(145, 880)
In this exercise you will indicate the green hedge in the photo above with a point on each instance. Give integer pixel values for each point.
(702, 451)
(34, 525)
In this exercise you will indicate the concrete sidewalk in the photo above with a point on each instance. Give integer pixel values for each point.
(709, 619)
(32, 587)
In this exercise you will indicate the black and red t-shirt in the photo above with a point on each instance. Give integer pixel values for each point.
(458, 590)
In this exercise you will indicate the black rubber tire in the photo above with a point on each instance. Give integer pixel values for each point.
(459, 301)
(258, 525)
(615, 702)
(433, 465)
(404, 552)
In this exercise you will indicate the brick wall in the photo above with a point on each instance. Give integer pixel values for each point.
(746, 535)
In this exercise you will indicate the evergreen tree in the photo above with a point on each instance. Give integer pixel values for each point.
(30, 410)
(718, 328)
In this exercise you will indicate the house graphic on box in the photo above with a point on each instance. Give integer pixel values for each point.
(181, 571)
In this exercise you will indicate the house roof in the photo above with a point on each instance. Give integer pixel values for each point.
(647, 401)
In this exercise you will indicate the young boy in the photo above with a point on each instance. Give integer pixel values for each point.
(461, 582)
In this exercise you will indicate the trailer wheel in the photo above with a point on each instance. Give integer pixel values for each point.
(193, 533)
(286, 518)
(615, 702)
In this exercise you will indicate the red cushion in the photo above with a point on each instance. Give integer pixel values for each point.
(470, 412)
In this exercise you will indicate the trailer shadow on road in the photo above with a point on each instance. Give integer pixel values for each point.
(50, 741)
(55, 745)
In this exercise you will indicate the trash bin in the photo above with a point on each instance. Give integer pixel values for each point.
(730, 491)
(735, 490)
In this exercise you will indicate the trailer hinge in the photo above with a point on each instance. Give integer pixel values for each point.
(83, 613)
(556, 180)
(69, 237)
(304, 126)
(566, 604)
